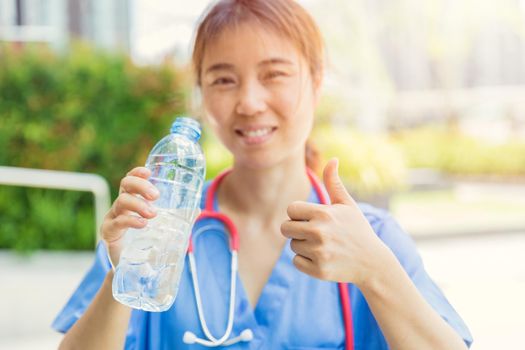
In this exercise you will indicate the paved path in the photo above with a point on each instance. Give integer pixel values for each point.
(484, 277)
(32, 292)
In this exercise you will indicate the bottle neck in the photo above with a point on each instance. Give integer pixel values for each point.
(186, 131)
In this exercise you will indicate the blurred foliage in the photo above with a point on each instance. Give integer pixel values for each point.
(454, 152)
(368, 164)
(218, 158)
(86, 112)
(45, 219)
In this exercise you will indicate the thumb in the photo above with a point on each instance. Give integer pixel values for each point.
(334, 185)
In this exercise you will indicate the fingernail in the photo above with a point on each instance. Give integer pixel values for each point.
(151, 209)
(153, 192)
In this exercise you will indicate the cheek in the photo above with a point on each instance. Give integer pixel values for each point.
(217, 108)
(296, 105)
(284, 105)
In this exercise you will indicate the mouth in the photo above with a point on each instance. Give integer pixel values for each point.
(256, 135)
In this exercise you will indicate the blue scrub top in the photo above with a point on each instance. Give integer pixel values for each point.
(294, 311)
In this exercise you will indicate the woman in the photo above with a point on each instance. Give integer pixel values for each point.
(259, 67)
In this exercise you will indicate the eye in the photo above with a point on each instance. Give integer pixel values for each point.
(223, 81)
(274, 74)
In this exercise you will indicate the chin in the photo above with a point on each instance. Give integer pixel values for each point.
(257, 163)
(261, 160)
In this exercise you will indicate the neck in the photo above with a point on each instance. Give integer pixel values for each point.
(264, 194)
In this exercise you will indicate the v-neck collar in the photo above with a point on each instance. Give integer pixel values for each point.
(269, 305)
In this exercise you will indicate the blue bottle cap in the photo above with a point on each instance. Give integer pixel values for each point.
(187, 124)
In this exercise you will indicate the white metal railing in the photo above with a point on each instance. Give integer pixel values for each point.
(62, 180)
(28, 33)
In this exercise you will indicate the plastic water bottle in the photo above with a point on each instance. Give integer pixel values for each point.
(147, 276)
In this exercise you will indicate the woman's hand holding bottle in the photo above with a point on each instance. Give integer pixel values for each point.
(131, 209)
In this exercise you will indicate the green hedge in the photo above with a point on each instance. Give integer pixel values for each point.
(368, 164)
(453, 152)
(86, 112)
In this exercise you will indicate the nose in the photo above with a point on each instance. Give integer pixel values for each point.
(252, 99)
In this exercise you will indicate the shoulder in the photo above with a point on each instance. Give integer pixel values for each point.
(374, 215)
(383, 222)
(380, 219)
(388, 229)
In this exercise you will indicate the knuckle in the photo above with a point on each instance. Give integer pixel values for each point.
(323, 214)
(108, 230)
(124, 183)
(329, 214)
(104, 228)
(118, 221)
(321, 254)
(109, 214)
(316, 253)
(317, 234)
(125, 180)
(325, 255)
(322, 273)
(117, 205)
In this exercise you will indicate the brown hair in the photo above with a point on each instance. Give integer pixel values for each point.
(286, 17)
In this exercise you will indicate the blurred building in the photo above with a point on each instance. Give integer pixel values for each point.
(105, 23)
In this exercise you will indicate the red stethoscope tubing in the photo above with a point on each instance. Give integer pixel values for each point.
(210, 213)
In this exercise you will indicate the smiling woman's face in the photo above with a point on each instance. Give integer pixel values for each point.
(258, 95)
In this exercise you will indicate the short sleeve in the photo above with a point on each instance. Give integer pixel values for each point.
(406, 252)
(85, 293)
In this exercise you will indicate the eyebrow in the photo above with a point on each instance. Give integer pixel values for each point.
(228, 66)
(219, 66)
(275, 60)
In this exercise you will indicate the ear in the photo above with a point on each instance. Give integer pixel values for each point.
(317, 84)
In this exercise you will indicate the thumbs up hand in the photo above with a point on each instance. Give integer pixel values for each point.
(335, 241)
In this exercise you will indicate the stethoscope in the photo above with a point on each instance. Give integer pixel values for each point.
(246, 335)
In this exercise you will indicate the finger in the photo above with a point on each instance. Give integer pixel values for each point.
(127, 203)
(305, 265)
(137, 185)
(302, 247)
(303, 211)
(334, 186)
(114, 229)
(295, 229)
(140, 171)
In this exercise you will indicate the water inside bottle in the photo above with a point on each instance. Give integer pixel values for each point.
(151, 259)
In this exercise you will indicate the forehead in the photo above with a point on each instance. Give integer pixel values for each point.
(247, 44)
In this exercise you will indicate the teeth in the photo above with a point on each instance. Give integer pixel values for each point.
(257, 133)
